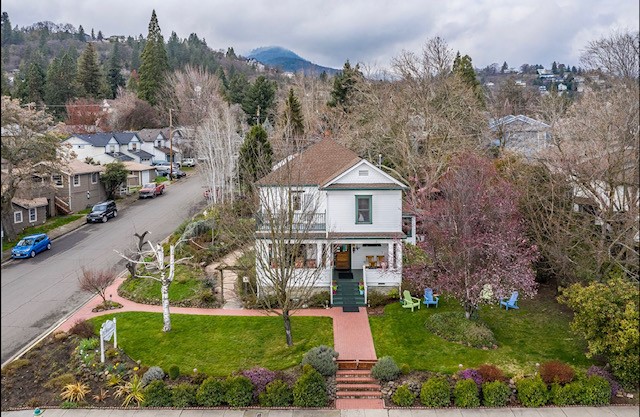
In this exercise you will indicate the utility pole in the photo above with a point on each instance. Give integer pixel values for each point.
(170, 146)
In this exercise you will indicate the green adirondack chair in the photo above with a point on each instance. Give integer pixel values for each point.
(410, 302)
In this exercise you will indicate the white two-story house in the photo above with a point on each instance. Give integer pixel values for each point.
(349, 211)
(104, 148)
(161, 144)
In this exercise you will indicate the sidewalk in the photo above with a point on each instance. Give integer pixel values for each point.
(610, 411)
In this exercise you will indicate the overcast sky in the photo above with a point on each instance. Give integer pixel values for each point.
(328, 32)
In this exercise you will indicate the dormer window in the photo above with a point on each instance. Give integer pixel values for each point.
(134, 146)
(112, 148)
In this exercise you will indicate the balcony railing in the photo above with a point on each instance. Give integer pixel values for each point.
(306, 222)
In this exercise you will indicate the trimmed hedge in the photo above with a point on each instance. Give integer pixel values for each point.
(466, 394)
(495, 394)
(310, 389)
(403, 396)
(276, 394)
(532, 392)
(211, 393)
(184, 395)
(157, 394)
(436, 392)
(238, 391)
(385, 369)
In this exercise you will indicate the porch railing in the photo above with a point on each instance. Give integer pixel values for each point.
(306, 222)
(364, 280)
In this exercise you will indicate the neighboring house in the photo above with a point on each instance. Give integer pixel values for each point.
(157, 143)
(105, 148)
(521, 134)
(353, 212)
(139, 175)
(78, 186)
(28, 212)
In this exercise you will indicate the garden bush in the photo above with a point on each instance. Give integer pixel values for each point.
(184, 395)
(466, 394)
(198, 377)
(599, 371)
(174, 372)
(596, 391)
(490, 373)
(259, 377)
(276, 394)
(310, 389)
(385, 369)
(455, 327)
(322, 359)
(403, 396)
(211, 393)
(568, 394)
(238, 391)
(378, 299)
(495, 394)
(82, 328)
(157, 394)
(532, 392)
(153, 374)
(471, 374)
(556, 371)
(436, 392)
(405, 368)
(319, 299)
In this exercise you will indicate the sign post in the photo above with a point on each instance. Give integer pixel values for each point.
(107, 330)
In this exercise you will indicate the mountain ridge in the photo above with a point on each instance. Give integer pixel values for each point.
(287, 60)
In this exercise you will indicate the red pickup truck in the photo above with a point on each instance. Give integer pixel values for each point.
(151, 190)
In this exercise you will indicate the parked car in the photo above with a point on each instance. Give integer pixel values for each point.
(101, 212)
(30, 246)
(177, 173)
(188, 162)
(151, 190)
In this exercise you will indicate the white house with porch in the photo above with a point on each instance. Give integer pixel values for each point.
(350, 212)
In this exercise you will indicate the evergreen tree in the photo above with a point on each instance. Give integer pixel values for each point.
(504, 67)
(344, 85)
(259, 100)
(554, 67)
(292, 117)
(114, 74)
(135, 55)
(154, 64)
(574, 70)
(100, 37)
(174, 47)
(323, 76)
(5, 91)
(89, 77)
(238, 86)
(5, 30)
(223, 80)
(81, 34)
(93, 35)
(231, 53)
(60, 88)
(255, 157)
(31, 89)
(463, 68)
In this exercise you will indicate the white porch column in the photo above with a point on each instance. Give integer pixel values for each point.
(390, 255)
(398, 256)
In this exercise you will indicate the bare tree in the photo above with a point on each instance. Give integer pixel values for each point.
(131, 266)
(97, 281)
(616, 54)
(153, 262)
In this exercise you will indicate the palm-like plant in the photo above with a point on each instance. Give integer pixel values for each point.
(132, 391)
(101, 396)
(75, 392)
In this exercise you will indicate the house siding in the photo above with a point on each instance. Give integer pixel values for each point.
(353, 176)
(41, 217)
(386, 213)
(76, 196)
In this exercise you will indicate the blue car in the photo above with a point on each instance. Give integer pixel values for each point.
(30, 246)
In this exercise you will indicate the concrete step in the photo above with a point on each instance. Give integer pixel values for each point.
(358, 387)
(355, 380)
(358, 394)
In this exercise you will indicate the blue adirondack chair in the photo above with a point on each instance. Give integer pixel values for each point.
(511, 302)
(429, 299)
(410, 302)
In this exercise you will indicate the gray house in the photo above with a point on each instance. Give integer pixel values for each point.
(78, 186)
(521, 134)
(28, 212)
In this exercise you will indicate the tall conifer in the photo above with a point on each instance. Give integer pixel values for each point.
(154, 63)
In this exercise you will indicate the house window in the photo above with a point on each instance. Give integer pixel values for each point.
(112, 148)
(57, 180)
(76, 180)
(33, 215)
(17, 217)
(158, 145)
(407, 225)
(134, 146)
(363, 173)
(296, 200)
(363, 209)
(94, 178)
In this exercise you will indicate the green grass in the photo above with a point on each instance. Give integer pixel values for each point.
(185, 286)
(49, 225)
(218, 345)
(537, 332)
(160, 179)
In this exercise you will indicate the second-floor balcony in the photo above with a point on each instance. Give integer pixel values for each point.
(280, 222)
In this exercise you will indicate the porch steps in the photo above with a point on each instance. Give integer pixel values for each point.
(348, 294)
(355, 386)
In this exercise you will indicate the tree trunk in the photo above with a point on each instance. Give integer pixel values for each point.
(7, 222)
(166, 318)
(287, 327)
(470, 311)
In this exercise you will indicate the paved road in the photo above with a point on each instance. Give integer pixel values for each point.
(38, 292)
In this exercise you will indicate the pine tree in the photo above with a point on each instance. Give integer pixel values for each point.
(255, 157)
(344, 85)
(238, 86)
(59, 88)
(93, 35)
(554, 67)
(504, 67)
(259, 100)
(154, 64)
(463, 67)
(100, 36)
(89, 77)
(5, 31)
(174, 47)
(31, 90)
(114, 75)
(292, 117)
(81, 34)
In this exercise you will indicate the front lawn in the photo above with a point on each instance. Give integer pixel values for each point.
(49, 225)
(537, 332)
(185, 290)
(217, 345)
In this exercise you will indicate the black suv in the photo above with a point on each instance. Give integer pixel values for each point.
(102, 211)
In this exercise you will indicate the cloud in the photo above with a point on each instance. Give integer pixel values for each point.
(329, 32)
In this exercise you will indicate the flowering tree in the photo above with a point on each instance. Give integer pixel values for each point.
(474, 236)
